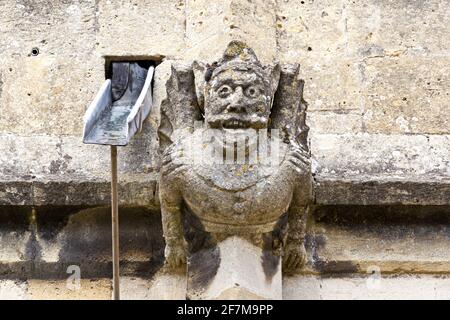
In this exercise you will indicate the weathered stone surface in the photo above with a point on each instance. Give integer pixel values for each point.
(76, 191)
(239, 275)
(331, 122)
(13, 290)
(14, 234)
(350, 169)
(15, 193)
(406, 95)
(54, 27)
(163, 286)
(370, 287)
(311, 28)
(342, 239)
(381, 169)
(300, 287)
(356, 239)
(51, 170)
(41, 243)
(67, 63)
(47, 94)
(331, 85)
(336, 191)
(149, 28)
(89, 289)
(384, 157)
(413, 28)
(210, 26)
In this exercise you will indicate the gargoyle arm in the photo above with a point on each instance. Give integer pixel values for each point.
(171, 212)
(295, 253)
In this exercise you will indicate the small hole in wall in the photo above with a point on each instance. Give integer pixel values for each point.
(309, 49)
(35, 51)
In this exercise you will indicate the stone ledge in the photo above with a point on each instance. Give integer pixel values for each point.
(43, 242)
(391, 239)
(140, 192)
(335, 191)
(143, 192)
(421, 286)
(378, 287)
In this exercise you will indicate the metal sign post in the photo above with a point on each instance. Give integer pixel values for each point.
(115, 224)
(113, 118)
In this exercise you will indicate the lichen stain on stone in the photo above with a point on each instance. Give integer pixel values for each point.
(272, 248)
(203, 267)
(336, 266)
(270, 260)
(33, 250)
(57, 166)
(51, 220)
(203, 253)
(86, 241)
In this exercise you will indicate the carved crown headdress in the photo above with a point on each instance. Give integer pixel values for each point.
(238, 56)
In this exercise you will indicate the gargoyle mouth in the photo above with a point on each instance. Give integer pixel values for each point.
(236, 124)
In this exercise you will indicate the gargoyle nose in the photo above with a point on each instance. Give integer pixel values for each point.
(237, 101)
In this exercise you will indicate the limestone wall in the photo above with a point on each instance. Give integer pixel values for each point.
(377, 79)
(377, 82)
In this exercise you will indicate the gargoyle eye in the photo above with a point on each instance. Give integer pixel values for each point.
(224, 91)
(252, 92)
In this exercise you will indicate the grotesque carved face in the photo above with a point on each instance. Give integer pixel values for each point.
(237, 98)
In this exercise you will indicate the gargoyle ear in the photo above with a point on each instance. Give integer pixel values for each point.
(273, 74)
(200, 69)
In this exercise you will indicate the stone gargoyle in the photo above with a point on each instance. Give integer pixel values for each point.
(264, 202)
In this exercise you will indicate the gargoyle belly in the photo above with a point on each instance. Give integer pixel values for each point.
(247, 211)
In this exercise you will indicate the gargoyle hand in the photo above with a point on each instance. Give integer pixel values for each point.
(175, 254)
(294, 256)
(299, 157)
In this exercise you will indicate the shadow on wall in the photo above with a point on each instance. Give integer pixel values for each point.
(42, 243)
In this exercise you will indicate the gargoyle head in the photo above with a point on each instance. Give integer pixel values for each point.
(238, 90)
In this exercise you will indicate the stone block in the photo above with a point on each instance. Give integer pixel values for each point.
(382, 157)
(369, 287)
(53, 157)
(15, 234)
(381, 169)
(148, 28)
(13, 290)
(49, 71)
(311, 28)
(233, 270)
(210, 26)
(56, 28)
(331, 84)
(334, 122)
(395, 239)
(406, 95)
(86, 289)
(163, 286)
(47, 94)
(417, 28)
(43, 243)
